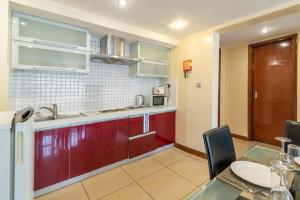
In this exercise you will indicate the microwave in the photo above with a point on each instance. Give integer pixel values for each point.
(156, 100)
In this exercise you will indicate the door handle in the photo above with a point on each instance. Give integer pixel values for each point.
(256, 94)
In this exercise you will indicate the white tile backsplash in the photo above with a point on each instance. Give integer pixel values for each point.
(106, 86)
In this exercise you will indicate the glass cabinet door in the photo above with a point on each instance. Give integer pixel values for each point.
(150, 52)
(33, 56)
(43, 31)
(152, 69)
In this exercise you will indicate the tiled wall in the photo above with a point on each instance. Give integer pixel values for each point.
(106, 86)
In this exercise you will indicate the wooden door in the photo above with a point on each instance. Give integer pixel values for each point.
(273, 88)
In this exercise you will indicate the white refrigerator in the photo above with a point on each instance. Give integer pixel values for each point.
(16, 155)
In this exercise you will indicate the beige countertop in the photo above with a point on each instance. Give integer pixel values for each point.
(94, 117)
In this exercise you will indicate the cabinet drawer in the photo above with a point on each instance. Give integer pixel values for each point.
(142, 144)
(136, 125)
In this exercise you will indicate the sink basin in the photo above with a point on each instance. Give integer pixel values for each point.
(50, 118)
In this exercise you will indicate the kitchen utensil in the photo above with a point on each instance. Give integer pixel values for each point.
(243, 185)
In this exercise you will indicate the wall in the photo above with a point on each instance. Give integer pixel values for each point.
(106, 86)
(4, 69)
(234, 87)
(195, 105)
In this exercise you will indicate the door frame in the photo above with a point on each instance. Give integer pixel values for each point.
(293, 37)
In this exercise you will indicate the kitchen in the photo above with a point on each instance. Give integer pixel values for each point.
(90, 95)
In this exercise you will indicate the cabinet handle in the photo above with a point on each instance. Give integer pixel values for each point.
(136, 116)
(54, 44)
(19, 157)
(142, 135)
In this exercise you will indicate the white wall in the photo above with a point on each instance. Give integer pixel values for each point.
(4, 61)
(234, 88)
(196, 105)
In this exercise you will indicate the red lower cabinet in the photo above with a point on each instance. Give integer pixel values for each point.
(115, 141)
(65, 153)
(85, 149)
(51, 157)
(141, 145)
(136, 125)
(96, 145)
(164, 125)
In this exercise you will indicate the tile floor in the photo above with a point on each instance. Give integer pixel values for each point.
(171, 174)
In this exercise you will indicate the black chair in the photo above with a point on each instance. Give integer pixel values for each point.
(292, 131)
(219, 149)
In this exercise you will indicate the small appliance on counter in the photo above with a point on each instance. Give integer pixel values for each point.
(159, 90)
(156, 100)
(139, 100)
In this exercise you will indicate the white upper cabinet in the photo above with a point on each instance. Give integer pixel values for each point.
(153, 60)
(32, 56)
(43, 44)
(46, 32)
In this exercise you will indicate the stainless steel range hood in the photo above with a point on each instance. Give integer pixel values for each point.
(112, 51)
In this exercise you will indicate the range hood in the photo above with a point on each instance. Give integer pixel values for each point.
(112, 51)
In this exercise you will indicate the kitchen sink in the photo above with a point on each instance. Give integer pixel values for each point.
(50, 118)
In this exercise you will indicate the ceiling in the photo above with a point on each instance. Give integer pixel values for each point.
(156, 15)
(253, 32)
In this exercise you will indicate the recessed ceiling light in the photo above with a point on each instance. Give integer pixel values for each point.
(122, 3)
(178, 24)
(265, 30)
(23, 23)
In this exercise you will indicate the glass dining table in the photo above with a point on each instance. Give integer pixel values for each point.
(216, 189)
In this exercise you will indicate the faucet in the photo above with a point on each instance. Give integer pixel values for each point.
(52, 110)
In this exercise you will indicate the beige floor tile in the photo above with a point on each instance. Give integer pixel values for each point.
(131, 192)
(202, 160)
(72, 192)
(166, 184)
(191, 169)
(106, 183)
(143, 167)
(277, 148)
(169, 156)
(183, 152)
(195, 191)
(242, 146)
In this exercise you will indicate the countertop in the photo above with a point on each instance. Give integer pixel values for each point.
(93, 117)
(5, 119)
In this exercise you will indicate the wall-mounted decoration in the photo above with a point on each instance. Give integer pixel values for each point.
(187, 68)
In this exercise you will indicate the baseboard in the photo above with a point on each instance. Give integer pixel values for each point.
(191, 151)
(240, 136)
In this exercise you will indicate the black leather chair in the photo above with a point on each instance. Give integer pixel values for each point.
(219, 149)
(292, 131)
